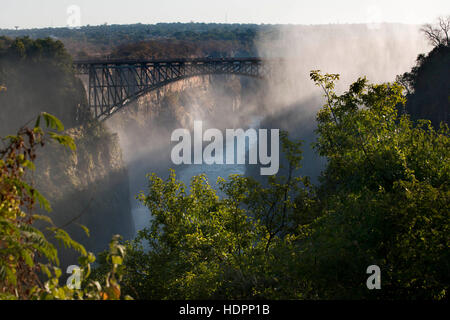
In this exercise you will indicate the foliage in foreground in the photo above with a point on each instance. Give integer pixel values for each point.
(383, 199)
(26, 256)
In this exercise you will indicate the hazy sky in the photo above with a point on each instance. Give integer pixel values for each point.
(43, 13)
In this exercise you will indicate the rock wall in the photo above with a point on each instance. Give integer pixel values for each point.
(88, 187)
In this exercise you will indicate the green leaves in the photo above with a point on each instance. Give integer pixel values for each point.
(85, 229)
(35, 195)
(51, 121)
(205, 243)
(54, 123)
(20, 242)
(67, 241)
(381, 177)
(327, 80)
(63, 140)
(382, 199)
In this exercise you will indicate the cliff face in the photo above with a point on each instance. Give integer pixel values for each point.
(146, 125)
(91, 186)
(88, 187)
(179, 103)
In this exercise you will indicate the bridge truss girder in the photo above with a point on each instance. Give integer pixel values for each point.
(113, 85)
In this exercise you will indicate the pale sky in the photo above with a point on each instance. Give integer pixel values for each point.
(54, 13)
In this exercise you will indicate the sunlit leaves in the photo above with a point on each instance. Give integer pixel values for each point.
(384, 190)
(205, 242)
(63, 140)
(51, 121)
(21, 243)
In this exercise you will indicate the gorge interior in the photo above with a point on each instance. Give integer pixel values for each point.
(213, 152)
(289, 102)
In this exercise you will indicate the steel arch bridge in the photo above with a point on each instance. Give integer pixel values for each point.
(115, 83)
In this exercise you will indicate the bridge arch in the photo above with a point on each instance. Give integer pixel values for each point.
(114, 84)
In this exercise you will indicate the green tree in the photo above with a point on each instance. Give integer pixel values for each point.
(200, 245)
(384, 194)
(26, 256)
(39, 77)
(428, 82)
(382, 199)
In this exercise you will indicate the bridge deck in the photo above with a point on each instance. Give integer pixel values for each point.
(174, 60)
